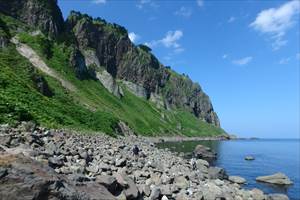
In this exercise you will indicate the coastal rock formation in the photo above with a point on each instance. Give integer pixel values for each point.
(278, 179)
(237, 179)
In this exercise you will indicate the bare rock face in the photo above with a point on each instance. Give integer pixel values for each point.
(108, 46)
(42, 14)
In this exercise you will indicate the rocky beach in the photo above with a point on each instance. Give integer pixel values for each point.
(59, 164)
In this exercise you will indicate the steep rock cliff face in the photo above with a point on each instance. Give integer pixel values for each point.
(123, 60)
(42, 14)
(97, 45)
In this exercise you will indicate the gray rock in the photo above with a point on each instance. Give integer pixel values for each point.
(249, 158)
(155, 193)
(237, 179)
(203, 152)
(278, 179)
(55, 162)
(277, 197)
(120, 162)
(109, 182)
(217, 173)
(181, 182)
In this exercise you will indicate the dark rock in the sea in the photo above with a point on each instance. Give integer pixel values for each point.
(249, 158)
(203, 152)
(217, 173)
(277, 179)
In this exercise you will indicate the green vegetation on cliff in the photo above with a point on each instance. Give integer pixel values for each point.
(90, 107)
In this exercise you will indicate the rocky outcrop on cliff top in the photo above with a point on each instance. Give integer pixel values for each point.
(48, 164)
(41, 14)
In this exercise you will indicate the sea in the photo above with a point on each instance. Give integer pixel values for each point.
(271, 156)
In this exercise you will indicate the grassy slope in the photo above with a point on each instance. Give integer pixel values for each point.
(19, 100)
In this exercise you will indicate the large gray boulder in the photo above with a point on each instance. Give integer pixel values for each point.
(203, 152)
(237, 179)
(22, 178)
(277, 179)
(277, 197)
(217, 173)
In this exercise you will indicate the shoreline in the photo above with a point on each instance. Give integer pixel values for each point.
(83, 162)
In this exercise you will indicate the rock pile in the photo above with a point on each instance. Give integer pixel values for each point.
(43, 164)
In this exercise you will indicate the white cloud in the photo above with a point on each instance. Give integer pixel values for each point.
(99, 1)
(169, 41)
(184, 12)
(225, 56)
(284, 61)
(142, 3)
(133, 37)
(200, 3)
(231, 19)
(276, 21)
(171, 38)
(242, 61)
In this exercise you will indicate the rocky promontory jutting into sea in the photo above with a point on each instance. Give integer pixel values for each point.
(36, 163)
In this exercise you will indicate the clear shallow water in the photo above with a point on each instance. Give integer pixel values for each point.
(271, 156)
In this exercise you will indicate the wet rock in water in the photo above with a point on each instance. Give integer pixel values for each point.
(217, 173)
(203, 152)
(277, 179)
(257, 194)
(237, 179)
(249, 158)
(277, 197)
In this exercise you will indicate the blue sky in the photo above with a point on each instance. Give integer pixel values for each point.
(244, 54)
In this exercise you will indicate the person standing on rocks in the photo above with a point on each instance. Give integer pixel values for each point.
(135, 150)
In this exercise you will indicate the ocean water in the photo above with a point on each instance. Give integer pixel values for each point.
(271, 156)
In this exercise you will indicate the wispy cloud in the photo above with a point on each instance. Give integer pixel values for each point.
(133, 37)
(298, 56)
(169, 41)
(184, 12)
(284, 61)
(243, 61)
(277, 21)
(231, 19)
(200, 3)
(143, 3)
(99, 1)
(225, 56)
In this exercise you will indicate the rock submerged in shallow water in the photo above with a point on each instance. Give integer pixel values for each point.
(237, 179)
(277, 197)
(249, 158)
(277, 179)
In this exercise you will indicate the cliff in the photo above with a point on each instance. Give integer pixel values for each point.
(91, 54)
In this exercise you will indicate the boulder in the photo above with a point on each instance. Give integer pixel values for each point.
(237, 179)
(25, 179)
(203, 152)
(181, 182)
(277, 197)
(249, 158)
(217, 173)
(155, 193)
(277, 179)
(109, 182)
